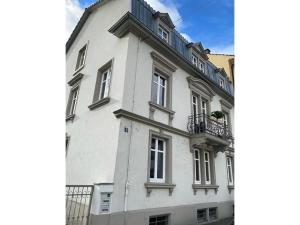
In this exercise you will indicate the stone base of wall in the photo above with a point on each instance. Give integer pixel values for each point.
(178, 215)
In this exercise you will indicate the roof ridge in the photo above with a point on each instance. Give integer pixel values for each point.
(221, 54)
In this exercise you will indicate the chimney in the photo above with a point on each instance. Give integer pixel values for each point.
(207, 51)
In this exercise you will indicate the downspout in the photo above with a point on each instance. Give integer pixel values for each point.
(127, 184)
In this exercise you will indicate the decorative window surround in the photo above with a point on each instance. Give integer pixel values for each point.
(202, 182)
(167, 184)
(201, 88)
(230, 154)
(82, 51)
(164, 24)
(165, 68)
(75, 86)
(98, 99)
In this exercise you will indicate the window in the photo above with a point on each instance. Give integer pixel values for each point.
(157, 160)
(163, 33)
(73, 98)
(201, 215)
(229, 170)
(67, 143)
(195, 100)
(201, 66)
(221, 82)
(159, 89)
(159, 220)
(195, 60)
(203, 167)
(212, 213)
(102, 86)
(81, 57)
(206, 215)
(105, 202)
(207, 168)
(197, 166)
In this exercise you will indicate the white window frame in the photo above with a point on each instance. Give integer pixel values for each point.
(102, 203)
(159, 77)
(195, 60)
(78, 65)
(107, 84)
(199, 166)
(207, 162)
(161, 32)
(74, 100)
(203, 66)
(229, 170)
(156, 151)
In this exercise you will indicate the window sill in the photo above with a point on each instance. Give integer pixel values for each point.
(70, 117)
(230, 188)
(150, 186)
(99, 103)
(162, 108)
(205, 187)
(76, 71)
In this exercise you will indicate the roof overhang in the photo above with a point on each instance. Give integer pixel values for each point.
(128, 23)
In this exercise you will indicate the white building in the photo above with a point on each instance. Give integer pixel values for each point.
(139, 100)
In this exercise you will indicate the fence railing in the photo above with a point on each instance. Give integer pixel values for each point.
(78, 204)
(202, 123)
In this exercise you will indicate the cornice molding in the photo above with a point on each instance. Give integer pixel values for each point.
(201, 86)
(75, 79)
(129, 115)
(159, 59)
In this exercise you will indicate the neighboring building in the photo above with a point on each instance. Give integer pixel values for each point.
(224, 61)
(139, 130)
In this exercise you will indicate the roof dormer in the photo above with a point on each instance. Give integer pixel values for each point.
(165, 18)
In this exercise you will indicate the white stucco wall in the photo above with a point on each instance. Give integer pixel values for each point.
(137, 94)
(94, 134)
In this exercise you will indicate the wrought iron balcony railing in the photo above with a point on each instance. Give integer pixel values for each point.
(202, 123)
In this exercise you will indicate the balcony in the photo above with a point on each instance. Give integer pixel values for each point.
(207, 131)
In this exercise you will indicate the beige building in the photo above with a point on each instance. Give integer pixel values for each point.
(224, 61)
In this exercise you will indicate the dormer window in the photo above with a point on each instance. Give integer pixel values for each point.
(163, 33)
(201, 66)
(195, 60)
(221, 82)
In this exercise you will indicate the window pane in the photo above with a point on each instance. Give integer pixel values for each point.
(213, 213)
(102, 90)
(153, 143)
(160, 164)
(162, 81)
(160, 145)
(155, 78)
(197, 154)
(197, 170)
(152, 163)
(206, 156)
(154, 92)
(207, 171)
(162, 96)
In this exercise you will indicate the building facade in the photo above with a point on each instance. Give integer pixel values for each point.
(139, 125)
